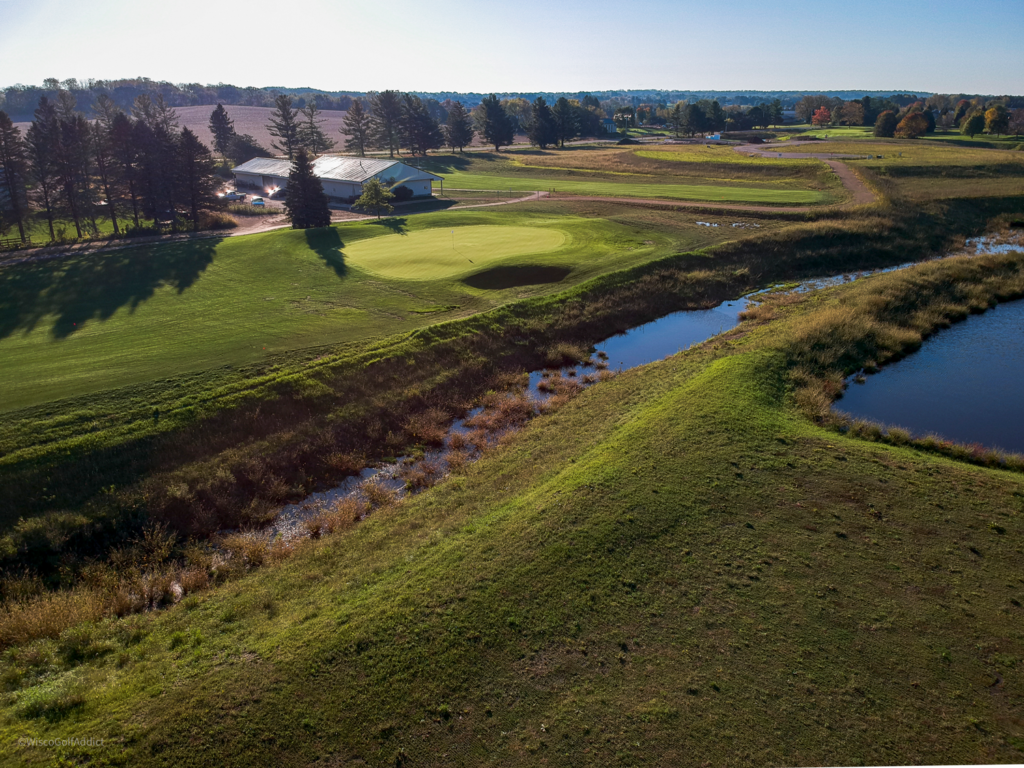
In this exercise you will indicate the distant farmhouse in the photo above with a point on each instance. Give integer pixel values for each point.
(342, 177)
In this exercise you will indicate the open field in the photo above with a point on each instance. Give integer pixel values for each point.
(677, 563)
(253, 121)
(86, 323)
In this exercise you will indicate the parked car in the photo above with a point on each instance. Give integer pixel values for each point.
(233, 196)
(258, 201)
(276, 193)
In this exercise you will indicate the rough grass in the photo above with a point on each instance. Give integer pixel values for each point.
(678, 559)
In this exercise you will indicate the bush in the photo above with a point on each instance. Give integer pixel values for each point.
(402, 194)
(216, 220)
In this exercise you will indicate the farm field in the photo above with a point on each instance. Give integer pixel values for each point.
(81, 324)
(251, 120)
(677, 562)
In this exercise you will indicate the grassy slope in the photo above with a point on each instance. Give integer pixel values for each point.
(141, 314)
(675, 565)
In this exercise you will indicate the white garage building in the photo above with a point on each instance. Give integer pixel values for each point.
(342, 177)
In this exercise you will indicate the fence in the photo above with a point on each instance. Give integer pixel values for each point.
(10, 243)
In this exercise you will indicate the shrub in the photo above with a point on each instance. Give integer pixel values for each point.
(402, 193)
(216, 220)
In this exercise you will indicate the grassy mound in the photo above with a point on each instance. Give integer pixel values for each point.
(676, 564)
(440, 253)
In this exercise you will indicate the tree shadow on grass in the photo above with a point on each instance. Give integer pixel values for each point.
(77, 289)
(326, 243)
(396, 224)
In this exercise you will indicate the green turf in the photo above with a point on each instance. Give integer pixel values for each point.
(73, 326)
(441, 253)
(675, 568)
(696, 192)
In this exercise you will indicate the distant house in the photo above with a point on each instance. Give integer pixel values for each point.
(342, 177)
(609, 125)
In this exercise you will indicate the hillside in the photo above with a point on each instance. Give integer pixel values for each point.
(677, 564)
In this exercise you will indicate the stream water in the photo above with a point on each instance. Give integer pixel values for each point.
(680, 330)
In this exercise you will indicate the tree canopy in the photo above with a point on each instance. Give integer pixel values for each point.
(376, 198)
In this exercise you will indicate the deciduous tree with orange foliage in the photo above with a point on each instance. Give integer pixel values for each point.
(913, 125)
(822, 116)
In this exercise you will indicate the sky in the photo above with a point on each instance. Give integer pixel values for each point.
(966, 46)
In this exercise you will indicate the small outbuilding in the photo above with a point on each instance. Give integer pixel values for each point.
(342, 177)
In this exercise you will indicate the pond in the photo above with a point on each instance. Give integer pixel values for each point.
(964, 384)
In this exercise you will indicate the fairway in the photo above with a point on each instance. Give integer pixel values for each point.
(700, 192)
(438, 253)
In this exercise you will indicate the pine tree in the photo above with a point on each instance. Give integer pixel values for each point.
(458, 131)
(565, 121)
(495, 125)
(386, 121)
(541, 130)
(42, 139)
(123, 150)
(304, 198)
(101, 153)
(14, 164)
(311, 135)
(357, 126)
(376, 198)
(420, 131)
(284, 127)
(196, 185)
(222, 128)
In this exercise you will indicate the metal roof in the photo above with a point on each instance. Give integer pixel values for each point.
(354, 169)
(267, 166)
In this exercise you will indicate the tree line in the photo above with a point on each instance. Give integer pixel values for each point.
(127, 167)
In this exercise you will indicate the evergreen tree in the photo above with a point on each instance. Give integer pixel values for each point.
(357, 126)
(419, 129)
(386, 121)
(196, 185)
(73, 165)
(42, 139)
(125, 155)
(157, 153)
(284, 127)
(542, 130)
(376, 198)
(564, 117)
(222, 128)
(695, 120)
(14, 164)
(101, 153)
(311, 135)
(304, 198)
(458, 131)
(496, 126)
(244, 147)
(677, 118)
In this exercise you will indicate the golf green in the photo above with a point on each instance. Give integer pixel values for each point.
(438, 253)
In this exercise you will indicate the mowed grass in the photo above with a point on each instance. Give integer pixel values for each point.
(76, 325)
(615, 172)
(439, 253)
(674, 565)
(695, 192)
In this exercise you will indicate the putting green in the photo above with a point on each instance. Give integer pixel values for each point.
(437, 253)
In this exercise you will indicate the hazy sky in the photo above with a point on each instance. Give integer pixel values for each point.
(974, 46)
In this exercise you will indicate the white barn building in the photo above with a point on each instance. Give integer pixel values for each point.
(342, 177)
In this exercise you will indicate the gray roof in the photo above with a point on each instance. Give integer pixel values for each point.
(355, 169)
